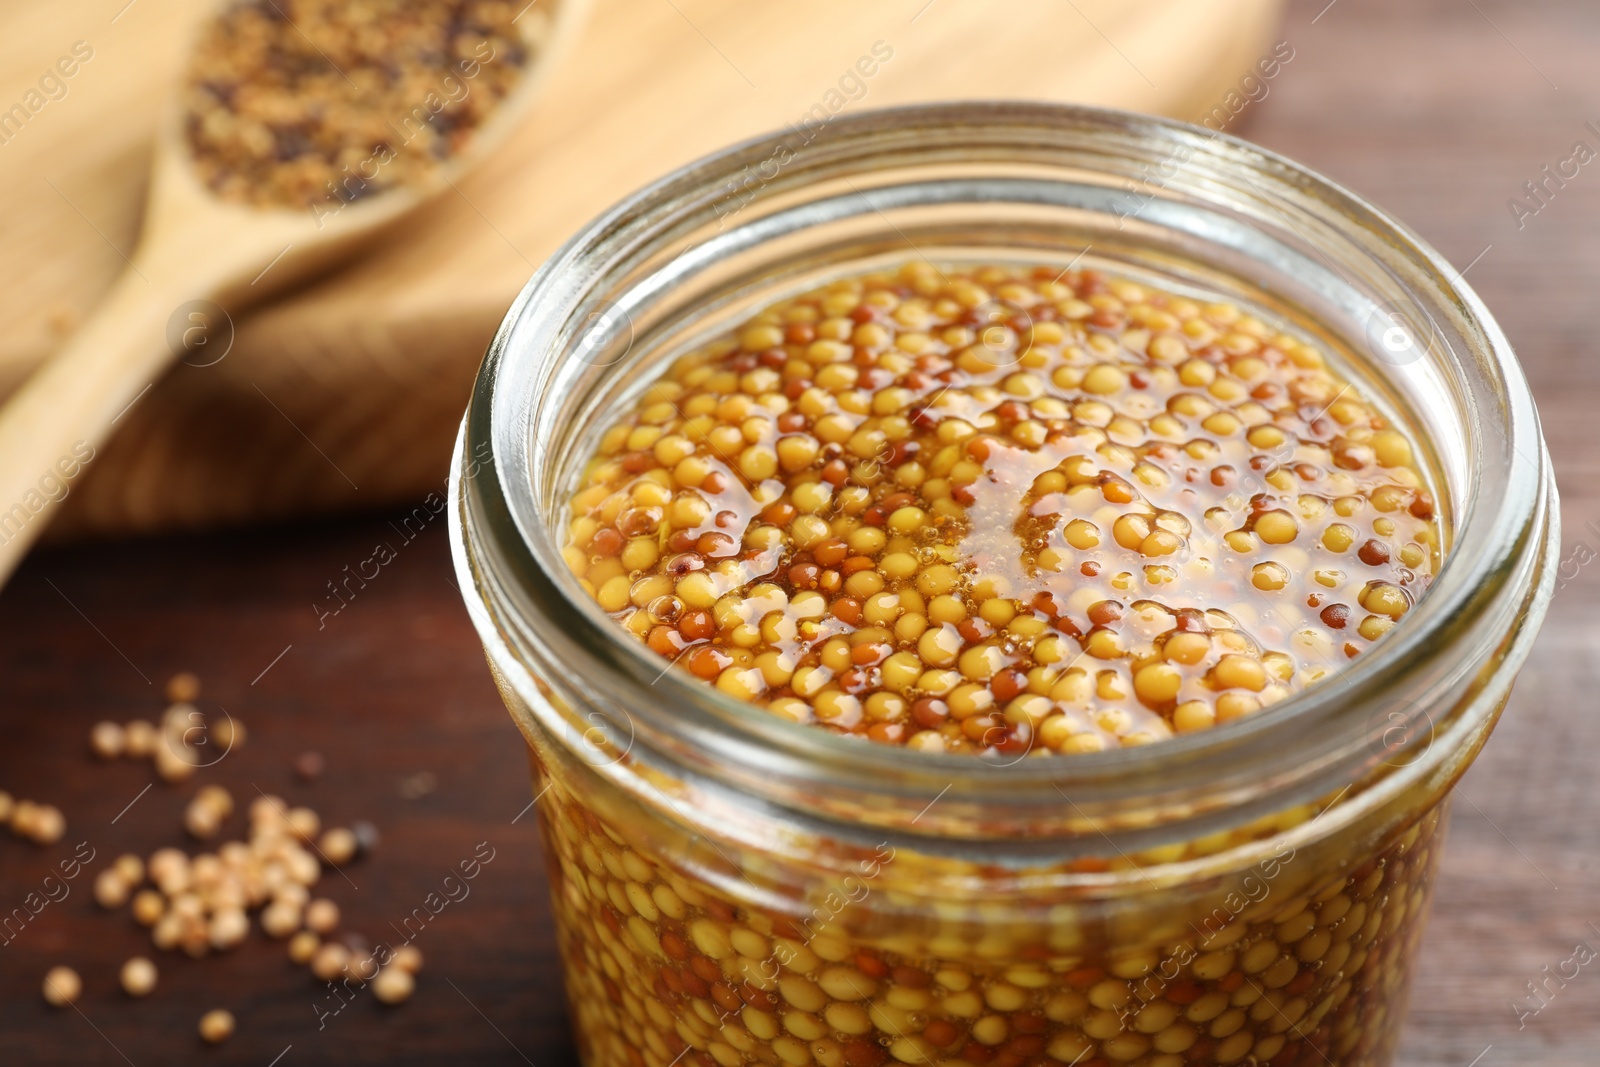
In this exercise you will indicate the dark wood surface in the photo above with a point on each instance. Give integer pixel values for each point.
(1438, 110)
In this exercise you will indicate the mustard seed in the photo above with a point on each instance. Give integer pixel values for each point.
(309, 766)
(139, 739)
(46, 825)
(338, 845)
(227, 733)
(138, 977)
(130, 868)
(62, 986)
(304, 823)
(303, 947)
(393, 985)
(216, 798)
(228, 928)
(183, 688)
(110, 889)
(106, 739)
(330, 961)
(202, 820)
(280, 919)
(216, 1026)
(1153, 488)
(341, 102)
(148, 907)
(175, 761)
(322, 916)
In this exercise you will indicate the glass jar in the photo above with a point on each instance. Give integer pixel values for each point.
(732, 889)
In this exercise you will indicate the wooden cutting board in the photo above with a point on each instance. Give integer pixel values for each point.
(347, 393)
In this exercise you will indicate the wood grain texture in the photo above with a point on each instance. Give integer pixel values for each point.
(371, 368)
(1426, 108)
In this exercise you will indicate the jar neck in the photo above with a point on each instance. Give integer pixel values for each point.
(659, 266)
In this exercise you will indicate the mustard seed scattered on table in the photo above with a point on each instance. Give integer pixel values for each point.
(138, 977)
(280, 919)
(175, 761)
(1001, 509)
(322, 916)
(292, 102)
(228, 928)
(338, 845)
(330, 961)
(183, 688)
(309, 766)
(148, 907)
(363, 964)
(43, 824)
(106, 740)
(62, 986)
(408, 958)
(216, 1026)
(217, 798)
(303, 947)
(130, 868)
(227, 733)
(139, 739)
(111, 889)
(393, 985)
(304, 823)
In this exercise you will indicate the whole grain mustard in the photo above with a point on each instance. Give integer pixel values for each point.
(1005, 510)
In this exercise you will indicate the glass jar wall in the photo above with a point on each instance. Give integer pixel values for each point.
(735, 889)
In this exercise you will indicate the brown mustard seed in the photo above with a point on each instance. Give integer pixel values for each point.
(1004, 510)
(298, 102)
(138, 977)
(216, 1026)
(309, 766)
(61, 986)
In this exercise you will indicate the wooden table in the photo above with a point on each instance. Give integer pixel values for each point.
(1437, 109)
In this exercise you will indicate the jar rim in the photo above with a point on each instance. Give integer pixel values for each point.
(1483, 606)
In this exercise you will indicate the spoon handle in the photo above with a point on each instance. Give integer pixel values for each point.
(54, 425)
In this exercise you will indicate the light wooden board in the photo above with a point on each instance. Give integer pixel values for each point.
(346, 394)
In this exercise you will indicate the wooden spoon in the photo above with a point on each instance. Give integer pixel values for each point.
(201, 258)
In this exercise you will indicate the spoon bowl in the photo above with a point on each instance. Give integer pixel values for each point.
(196, 249)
